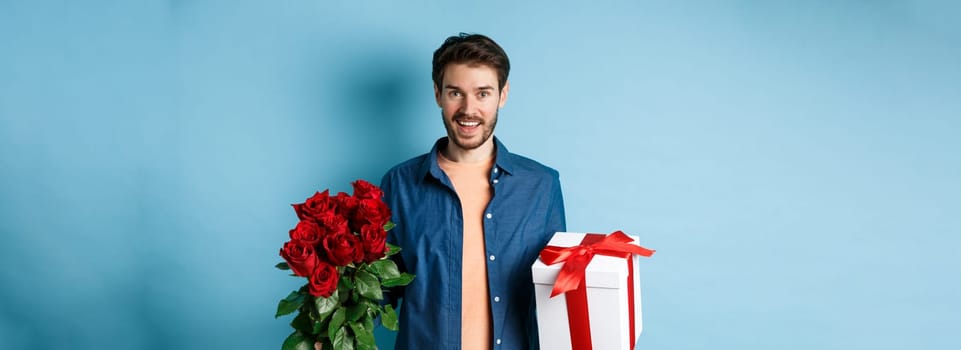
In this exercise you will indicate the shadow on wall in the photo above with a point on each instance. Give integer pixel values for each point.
(373, 98)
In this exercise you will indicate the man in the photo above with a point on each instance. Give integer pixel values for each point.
(471, 216)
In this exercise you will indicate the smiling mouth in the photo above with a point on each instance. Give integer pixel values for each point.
(469, 124)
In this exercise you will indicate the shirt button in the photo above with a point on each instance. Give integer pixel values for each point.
(495, 170)
(495, 181)
(498, 341)
(492, 258)
(489, 215)
(497, 299)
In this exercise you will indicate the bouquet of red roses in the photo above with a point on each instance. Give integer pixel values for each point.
(340, 246)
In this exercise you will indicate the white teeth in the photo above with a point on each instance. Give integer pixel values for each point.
(468, 123)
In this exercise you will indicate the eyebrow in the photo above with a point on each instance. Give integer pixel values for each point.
(454, 87)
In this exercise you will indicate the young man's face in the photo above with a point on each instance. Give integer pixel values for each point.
(469, 99)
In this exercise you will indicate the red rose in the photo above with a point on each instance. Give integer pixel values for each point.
(374, 240)
(315, 206)
(373, 211)
(300, 256)
(323, 282)
(307, 231)
(343, 248)
(346, 204)
(366, 190)
(333, 223)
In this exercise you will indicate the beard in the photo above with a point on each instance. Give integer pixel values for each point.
(487, 129)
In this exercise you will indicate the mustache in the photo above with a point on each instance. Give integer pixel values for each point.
(461, 117)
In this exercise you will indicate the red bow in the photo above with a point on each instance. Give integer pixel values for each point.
(576, 258)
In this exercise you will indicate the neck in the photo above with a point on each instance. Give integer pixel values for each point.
(480, 154)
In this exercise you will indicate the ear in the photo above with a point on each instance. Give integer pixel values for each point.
(437, 95)
(504, 91)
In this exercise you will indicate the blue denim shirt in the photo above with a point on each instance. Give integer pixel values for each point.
(525, 210)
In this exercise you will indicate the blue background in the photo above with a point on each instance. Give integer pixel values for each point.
(795, 163)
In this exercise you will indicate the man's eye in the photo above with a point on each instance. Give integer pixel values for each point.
(454, 94)
(485, 94)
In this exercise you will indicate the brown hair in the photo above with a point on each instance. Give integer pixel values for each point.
(471, 49)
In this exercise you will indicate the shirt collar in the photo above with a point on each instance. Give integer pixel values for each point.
(503, 159)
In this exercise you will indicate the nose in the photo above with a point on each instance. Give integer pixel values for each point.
(469, 105)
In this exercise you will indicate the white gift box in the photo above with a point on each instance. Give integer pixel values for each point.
(608, 306)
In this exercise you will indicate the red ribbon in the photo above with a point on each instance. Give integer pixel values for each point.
(571, 279)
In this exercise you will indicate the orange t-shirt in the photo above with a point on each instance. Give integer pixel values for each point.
(471, 182)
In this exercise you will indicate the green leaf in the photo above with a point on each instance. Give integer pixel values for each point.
(368, 285)
(369, 323)
(326, 306)
(356, 311)
(282, 266)
(392, 249)
(403, 280)
(364, 336)
(297, 341)
(302, 323)
(389, 225)
(336, 322)
(346, 283)
(343, 340)
(373, 309)
(384, 269)
(389, 318)
(291, 303)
